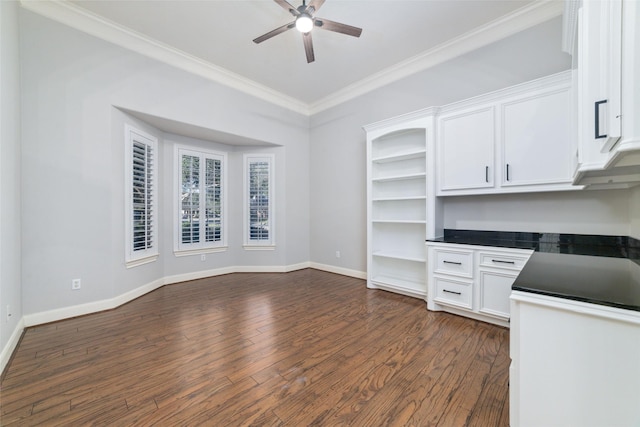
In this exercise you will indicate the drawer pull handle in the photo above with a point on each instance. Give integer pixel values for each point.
(503, 262)
(452, 262)
(451, 292)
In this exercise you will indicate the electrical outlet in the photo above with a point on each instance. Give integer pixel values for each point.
(76, 284)
(337, 254)
(203, 257)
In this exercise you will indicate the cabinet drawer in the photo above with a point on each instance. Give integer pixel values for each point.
(509, 262)
(453, 293)
(459, 263)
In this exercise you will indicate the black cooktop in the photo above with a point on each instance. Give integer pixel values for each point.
(602, 270)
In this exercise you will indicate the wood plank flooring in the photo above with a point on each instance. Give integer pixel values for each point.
(306, 348)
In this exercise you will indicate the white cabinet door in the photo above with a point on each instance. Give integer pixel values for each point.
(599, 74)
(536, 139)
(495, 288)
(466, 141)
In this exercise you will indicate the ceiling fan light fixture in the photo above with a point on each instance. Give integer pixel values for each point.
(304, 23)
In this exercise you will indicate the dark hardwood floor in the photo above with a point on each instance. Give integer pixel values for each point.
(295, 349)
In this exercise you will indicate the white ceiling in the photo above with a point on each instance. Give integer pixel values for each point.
(399, 37)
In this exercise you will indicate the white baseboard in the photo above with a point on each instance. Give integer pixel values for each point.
(185, 277)
(108, 304)
(8, 349)
(339, 270)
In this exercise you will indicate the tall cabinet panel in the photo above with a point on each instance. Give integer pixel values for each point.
(402, 208)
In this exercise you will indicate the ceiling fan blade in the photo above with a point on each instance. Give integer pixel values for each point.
(308, 47)
(288, 7)
(275, 32)
(337, 27)
(315, 5)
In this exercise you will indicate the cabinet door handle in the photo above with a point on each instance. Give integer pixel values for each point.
(452, 262)
(503, 262)
(451, 292)
(597, 119)
(486, 173)
(507, 171)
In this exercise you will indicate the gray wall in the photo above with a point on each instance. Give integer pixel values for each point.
(338, 169)
(10, 290)
(73, 172)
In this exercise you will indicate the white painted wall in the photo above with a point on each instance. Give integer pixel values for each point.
(10, 290)
(338, 169)
(579, 212)
(73, 165)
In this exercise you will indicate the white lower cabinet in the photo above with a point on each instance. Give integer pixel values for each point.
(572, 363)
(495, 288)
(473, 281)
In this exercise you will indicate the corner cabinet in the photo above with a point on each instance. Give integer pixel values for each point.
(401, 208)
(517, 139)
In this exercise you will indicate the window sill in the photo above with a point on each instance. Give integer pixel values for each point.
(199, 251)
(141, 261)
(259, 247)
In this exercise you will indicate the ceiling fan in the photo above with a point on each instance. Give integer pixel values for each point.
(305, 21)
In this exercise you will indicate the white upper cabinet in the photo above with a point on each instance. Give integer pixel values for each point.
(600, 72)
(466, 141)
(599, 77)
(517, 139)
(608, 101)
(536, 139)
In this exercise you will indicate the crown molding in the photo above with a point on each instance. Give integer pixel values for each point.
(87, 22)
(76, 17)
(536, 13)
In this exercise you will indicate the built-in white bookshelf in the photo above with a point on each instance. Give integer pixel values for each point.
(401, 206)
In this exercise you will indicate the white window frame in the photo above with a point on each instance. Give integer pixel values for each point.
(256, 244)
(134, 257)
(185, 249)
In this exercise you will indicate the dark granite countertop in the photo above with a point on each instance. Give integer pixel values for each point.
(602, 270)
(614, 282)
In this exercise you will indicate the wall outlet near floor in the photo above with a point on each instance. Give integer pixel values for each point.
(203, 257)
(76, 284)
(337, 254)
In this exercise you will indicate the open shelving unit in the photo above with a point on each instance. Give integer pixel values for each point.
(402, 210)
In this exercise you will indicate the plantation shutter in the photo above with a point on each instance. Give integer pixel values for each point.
(142, 196)
(259, 207)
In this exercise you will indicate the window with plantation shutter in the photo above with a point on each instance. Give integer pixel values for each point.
(258, 211)
(141, 197)
(200, 224)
